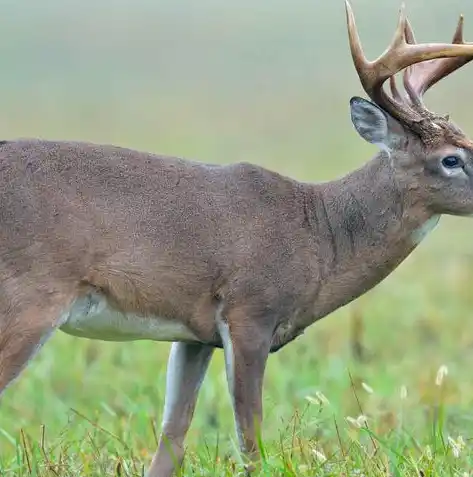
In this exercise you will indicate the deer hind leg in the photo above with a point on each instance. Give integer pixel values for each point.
(24, 328)
(246, 344)
(187, 366)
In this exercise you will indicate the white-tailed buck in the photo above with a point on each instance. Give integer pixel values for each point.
(112, 244)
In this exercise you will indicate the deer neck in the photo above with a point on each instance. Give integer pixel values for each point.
(363, 225)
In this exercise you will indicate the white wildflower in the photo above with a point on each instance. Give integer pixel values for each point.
(403, 392)
(456, 445)
(320, 456)
(441, 373)
(359, 422)
(352, 421)
(367, 388)
(319, 399)
(428, 452)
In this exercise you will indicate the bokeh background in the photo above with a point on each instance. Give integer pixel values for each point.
(260, 81)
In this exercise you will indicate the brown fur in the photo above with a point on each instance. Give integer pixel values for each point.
(245, 258)
(163, 236)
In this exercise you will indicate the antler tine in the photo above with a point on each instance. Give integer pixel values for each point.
(458, 35)
(394, 91)
(399, 38)
(373, 74)
(419, 78)
(402, 32)
(408, 79)
(359, 59)
(368, 71)
(409, 33)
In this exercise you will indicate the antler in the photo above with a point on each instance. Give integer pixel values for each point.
(419, 78)
(426, 64)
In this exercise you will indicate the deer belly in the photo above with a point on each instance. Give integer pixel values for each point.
(92, 317)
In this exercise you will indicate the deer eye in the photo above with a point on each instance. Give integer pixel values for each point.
(451, 162)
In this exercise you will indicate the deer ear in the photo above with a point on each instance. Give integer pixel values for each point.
(373, 124)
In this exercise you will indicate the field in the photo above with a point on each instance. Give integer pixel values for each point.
(383, 386)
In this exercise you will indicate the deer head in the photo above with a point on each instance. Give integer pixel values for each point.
(431, 156)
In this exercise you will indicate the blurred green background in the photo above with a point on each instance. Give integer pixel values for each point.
(260, 81)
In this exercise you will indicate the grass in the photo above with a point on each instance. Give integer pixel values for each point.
(273, 96)
(399, 356)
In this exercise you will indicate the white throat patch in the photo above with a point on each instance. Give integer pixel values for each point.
(419, 234)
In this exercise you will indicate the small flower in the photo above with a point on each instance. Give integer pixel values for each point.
(319, 399)
(428, 452)
(352, 421)
(441, 373)
(358, 473)
(319, 456)
(359, 422)
(456, 445)
(367, 388)
(403, 392)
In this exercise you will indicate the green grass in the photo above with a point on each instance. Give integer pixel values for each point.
(91, 408)
(267, 83)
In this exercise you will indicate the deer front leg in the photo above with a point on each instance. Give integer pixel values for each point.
(187, 366)
(246, 348)
(22, 334)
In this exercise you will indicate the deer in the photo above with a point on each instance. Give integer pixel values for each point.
(113, 244)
